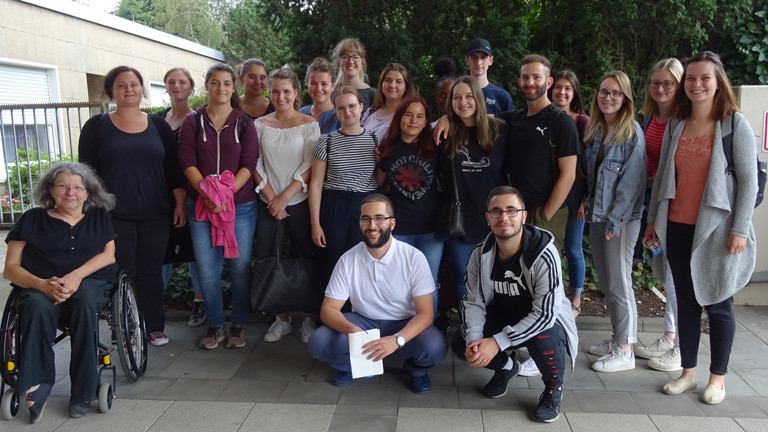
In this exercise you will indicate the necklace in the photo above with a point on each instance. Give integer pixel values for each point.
(285, 126)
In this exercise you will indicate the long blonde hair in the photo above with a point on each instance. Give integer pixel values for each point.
(625, 126)
(486, 128)
(673, 66)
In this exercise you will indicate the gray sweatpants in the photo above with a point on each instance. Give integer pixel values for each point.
(613, 262)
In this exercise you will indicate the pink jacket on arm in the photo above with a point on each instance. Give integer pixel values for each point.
(220, 190)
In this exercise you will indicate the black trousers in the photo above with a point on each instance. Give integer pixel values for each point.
(140, 251)
(39, 320)
(722, 323)
(547, 349)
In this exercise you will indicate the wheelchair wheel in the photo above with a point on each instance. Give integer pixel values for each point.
(130, 334)
(9, 404)
(10, 338)
(105, 397)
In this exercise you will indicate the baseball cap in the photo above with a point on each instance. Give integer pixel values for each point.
(479, 45)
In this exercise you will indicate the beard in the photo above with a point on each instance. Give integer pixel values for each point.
(540, 91)
(507, 236)
(386, 234)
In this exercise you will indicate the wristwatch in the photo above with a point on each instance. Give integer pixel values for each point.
(399, 340)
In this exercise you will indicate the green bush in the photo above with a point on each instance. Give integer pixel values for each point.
(642, 274)
(22, 176)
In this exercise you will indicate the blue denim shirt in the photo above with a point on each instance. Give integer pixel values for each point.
(618, 197)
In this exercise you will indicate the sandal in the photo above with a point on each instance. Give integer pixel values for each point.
(39, 399)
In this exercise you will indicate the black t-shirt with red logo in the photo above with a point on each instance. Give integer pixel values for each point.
(412, 187)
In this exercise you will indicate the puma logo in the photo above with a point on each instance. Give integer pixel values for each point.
(508, 274)
(541, 130)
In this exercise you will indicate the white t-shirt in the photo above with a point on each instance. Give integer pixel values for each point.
(383, 288)
(373, 122)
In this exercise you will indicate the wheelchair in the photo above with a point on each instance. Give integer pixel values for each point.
(129, 339)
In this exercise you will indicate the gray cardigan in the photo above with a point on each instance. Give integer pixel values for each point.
(726, 208)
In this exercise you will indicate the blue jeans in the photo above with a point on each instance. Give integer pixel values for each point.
(431, 247)
(459, 252)
(210, 261)
(419, 354)
(574, 252)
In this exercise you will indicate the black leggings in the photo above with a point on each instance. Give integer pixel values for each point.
(722, 324)
(547, 349)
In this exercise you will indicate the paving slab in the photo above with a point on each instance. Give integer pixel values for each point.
(666, 423)
(753, 424)
(286, 417)
(202, 416)
(438, 420)
(355, 418)
(607, 402)
(194, 390)
(611, 422)
(505, 421)
(310, 393)
(253, 391)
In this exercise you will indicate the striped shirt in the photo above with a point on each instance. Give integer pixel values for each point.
(351, 162)
(653, 136)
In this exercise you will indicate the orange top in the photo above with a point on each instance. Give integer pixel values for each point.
(692, 160)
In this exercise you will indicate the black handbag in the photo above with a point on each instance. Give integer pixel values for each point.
(450, 222)
(283, 283)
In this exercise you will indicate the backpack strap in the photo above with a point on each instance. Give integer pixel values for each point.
(245, 120)
(728, 146)
(646, 121)
(552, 140)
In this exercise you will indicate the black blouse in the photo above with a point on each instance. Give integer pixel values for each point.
(54, 248)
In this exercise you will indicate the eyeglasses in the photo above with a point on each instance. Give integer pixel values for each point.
(346, 58)
(365, 220)
(612, 94)
(63, 187)
(510, 212)
(666, 84)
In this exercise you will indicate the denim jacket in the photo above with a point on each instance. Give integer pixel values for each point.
(618, 197)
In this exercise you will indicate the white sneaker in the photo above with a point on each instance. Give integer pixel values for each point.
(616, 362)
(669, 361)
(529, 368)
(307, 327)
(278, 329)
(656, 349)
(604, 348)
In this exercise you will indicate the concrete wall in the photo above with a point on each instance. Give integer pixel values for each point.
(753, 101)
(81, 41)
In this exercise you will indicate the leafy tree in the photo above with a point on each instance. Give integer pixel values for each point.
(140, 11)
(630, 35)
(412, 33)
(251, 32)
(193, 20)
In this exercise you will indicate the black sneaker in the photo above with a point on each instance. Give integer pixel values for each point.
(549, 406)
(499, 383)
(197, 317)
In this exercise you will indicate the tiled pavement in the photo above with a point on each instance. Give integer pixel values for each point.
(276, 386)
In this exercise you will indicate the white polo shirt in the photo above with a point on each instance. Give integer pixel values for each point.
(383, 288)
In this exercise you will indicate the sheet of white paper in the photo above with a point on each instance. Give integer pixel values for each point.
(361, 366)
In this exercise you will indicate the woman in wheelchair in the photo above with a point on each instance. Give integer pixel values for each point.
(62, 255)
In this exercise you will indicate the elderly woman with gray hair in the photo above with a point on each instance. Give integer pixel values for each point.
(61, 255)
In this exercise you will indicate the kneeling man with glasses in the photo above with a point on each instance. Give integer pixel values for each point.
(389, 285)
(515, 298)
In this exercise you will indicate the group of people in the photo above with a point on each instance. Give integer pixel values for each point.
(360, 163)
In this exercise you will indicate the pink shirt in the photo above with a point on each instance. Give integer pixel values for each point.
(692, 160)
